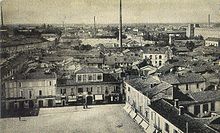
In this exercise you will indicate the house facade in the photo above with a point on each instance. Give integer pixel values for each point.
(30, 90)
(212, 42)
(89, 83)
(157, 55)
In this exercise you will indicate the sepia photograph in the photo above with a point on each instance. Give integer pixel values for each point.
(110, 66)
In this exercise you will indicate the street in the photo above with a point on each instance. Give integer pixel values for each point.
(74, 119)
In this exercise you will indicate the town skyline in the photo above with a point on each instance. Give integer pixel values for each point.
(82, 12)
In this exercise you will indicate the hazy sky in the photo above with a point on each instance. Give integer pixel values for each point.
(106, 11)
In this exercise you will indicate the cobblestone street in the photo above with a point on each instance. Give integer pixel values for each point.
(96, 119)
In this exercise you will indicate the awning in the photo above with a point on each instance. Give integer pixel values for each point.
(132, 114)
(138, 119)
(144, 125)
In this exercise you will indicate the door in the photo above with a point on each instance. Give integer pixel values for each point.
(89, 100)
(50, 103)
(40, 103)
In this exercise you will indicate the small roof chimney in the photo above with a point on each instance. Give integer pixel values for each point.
(181, 108)
(176, 103)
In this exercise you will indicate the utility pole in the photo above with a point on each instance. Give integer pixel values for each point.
(120, 26)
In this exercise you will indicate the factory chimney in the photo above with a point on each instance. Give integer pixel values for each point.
(94, 27)
(120, 26)
(2, 17)
(209, 20)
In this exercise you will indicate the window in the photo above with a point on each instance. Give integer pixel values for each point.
(79, 78)
(160, 63)
(196, 109)
(94, 76)
(158, 123)
(98, 90)
(99, 77)
(21, 93)
(63, 91)
(160, 57)
(155, 62)
(90, 77)
(212, 106)
(150, 56)
(187, 87)
(167, 128)
(147, 114)
(19, 84)
(128, 88)
(89, 89)
(205, 107)
(40, 92)
(50, 83)
(30, 94)
(155, 56)
(197, 86)
(80, 90)
(84, 77)
(72, 93)
(174, 131)
(152, 115)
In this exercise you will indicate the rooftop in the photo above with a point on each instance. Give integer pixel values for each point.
(183, 78)
(87, 69)
(213, 39)
(170, 113)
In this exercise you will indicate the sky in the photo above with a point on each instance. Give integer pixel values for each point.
(107, 11)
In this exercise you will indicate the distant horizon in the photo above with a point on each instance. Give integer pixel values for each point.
(83, 11)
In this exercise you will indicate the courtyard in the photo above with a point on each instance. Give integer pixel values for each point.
(96, 119)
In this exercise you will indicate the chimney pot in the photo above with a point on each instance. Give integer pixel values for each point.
(181, 110)
(176, 103)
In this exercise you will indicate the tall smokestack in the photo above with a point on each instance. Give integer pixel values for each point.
(94, 27)
(2, 17)
(209, 20)
(120, 26)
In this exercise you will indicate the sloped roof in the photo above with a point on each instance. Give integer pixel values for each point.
(170, 113)
(183, 78)
(158, 88)
(87, 69)
(213, 39)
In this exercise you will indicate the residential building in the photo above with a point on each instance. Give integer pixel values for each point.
(147, 103)
(203, 104)
(90, 83)
(212, 42)
(31, 89)
(157, 55)
(186, 82)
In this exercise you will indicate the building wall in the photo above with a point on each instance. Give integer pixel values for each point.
(136, 99)
(192, 87)
(156, 59)
(89, 77)
(207, 32)
(156, 120)
(211, 43)
(27, 91)
(47, 86)
(94, 89)
(191, 108)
